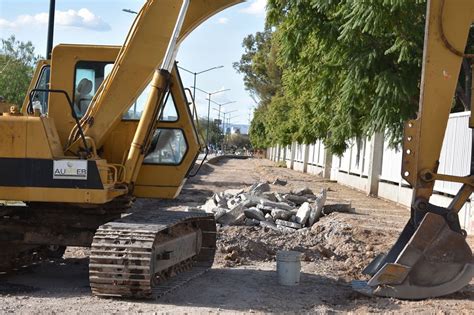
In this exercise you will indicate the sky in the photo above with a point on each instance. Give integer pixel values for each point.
(216, 42)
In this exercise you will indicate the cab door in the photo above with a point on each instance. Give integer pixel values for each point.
(174, 148)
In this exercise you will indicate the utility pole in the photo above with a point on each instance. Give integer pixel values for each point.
(195, 74)
(209, 96)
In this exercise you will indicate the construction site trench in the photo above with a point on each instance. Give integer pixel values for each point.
(335, 249)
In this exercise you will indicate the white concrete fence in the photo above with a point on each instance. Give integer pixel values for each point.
(371, 166)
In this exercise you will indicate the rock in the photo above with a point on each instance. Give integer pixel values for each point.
(270, 196)
(251, 200)
(279, 182)
(338, 207)
(285, 229)
(269, 218)
(194, 209)
(259, 188)
(279, 197)
(231, 203)
(209, 205)
(279, 205)
(302, 191)
(317, 208)
(269, 225)
(298, 200)
(254, 213)
(233, 192)
(280, 214)
(264, 209)
(234, 216)
(303, 213)
(293, 218)
(288, 224)
(220, 200)
(251, 222)
(219, 212)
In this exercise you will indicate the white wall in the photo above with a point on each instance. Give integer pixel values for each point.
(352, 168)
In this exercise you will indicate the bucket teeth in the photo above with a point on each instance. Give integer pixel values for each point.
(435, 261)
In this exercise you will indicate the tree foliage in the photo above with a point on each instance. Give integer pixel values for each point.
(354, 65)
(349, 68)
(16, 69)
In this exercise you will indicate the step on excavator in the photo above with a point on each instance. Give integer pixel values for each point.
(80, 151)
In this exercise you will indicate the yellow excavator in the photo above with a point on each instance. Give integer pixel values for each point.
(79, 151)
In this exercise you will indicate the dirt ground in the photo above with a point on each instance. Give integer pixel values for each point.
(243, 278)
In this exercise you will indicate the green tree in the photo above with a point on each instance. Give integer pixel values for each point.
(351, 67)
(17, 60)
(262, 75)
(215, 134)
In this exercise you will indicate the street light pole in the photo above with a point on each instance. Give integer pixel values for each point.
(195, 74)
(209, 94)
(220, 105)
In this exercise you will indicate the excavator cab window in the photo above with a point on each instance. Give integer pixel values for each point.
(169, 113)
(89, 75)
(168, 147)
(41, 98)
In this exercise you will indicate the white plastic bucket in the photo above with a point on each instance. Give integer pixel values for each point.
(288, 267)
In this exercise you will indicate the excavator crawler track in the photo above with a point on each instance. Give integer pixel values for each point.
(148, 254)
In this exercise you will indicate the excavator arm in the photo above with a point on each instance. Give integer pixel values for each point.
(144, 49)
(431, 257)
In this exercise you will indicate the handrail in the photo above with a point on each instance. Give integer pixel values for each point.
(73, 112)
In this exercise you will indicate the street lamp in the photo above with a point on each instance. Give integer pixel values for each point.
(195, 74)
(224, 141)
(209, 95)
(129, 11)
(220, 105)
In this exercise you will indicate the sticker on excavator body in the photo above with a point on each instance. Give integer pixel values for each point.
(70, 169)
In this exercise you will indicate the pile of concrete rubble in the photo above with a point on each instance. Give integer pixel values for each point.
(258, 206)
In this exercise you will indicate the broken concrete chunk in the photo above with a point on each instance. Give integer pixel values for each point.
(269, 218)
(338, 207)
(285, 229)
(279, 205)
(231, 203)
(233, 217)
(254, 213)
(269, 225)
(279, 182)
(194, 209)
(251, 222)
(259, 188)
(219, 212)
(280, 214)
(270, 196)
(279, 197)
(264, 209)
(233, 192)
(209, 205)
(303, 213)
(220, 200)
(302, 191)
(298, 200)
(317, 208)
(288, 224)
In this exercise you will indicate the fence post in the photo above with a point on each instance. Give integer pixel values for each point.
(293, 153)
(327, 163)
(375, 163)
(305, 158)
